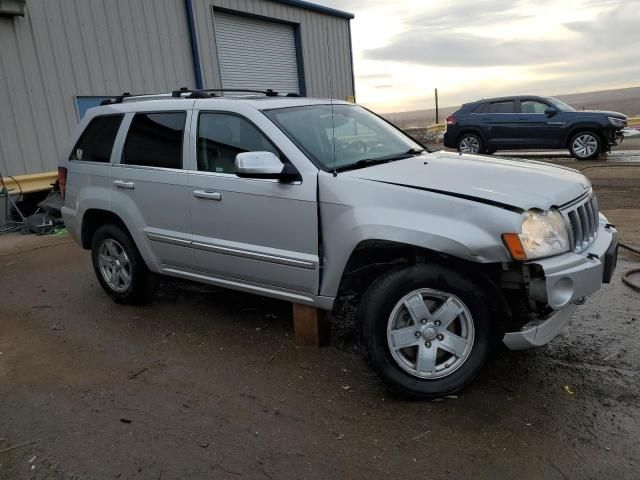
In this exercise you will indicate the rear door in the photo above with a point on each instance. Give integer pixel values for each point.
(501, 119)
(257, 232)
(149, 186)
(537, 129)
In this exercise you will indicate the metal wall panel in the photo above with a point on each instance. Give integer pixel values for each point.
(324, 43)
(273, 65)
(65, 48)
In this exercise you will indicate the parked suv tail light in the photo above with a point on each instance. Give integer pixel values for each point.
(62, 180)
(451, 120)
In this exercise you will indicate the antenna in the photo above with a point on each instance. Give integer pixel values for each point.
(333, 120)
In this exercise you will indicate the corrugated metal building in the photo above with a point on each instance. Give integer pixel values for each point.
(60, 57)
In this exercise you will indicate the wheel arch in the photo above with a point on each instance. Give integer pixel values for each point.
(374, 257)
(93, 219)
(586, 127)
(475, 131)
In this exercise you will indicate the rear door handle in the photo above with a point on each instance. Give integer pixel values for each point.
(207, 195)
(123, 184)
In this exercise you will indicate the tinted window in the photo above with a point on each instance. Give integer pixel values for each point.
(502, 107)
(482, 108)
(221, 137)
(96, 142)
(532, 106)
(155, 140)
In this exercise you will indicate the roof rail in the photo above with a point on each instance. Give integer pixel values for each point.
(184, 92)
(268, 92)
(117, 99)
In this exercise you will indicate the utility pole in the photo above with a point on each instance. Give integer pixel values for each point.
(437, 116)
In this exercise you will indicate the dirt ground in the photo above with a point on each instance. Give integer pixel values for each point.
(207, 383)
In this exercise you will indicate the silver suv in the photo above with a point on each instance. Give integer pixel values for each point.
(323, 203)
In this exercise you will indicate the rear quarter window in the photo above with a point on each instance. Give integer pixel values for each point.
(482, 108)
(96, 142)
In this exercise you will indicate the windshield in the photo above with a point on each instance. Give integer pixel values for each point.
(360, 136)
(563, 107)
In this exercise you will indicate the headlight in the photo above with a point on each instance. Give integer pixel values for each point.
(617, 122)
(543, 234)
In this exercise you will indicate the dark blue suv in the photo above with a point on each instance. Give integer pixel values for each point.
(534, 123)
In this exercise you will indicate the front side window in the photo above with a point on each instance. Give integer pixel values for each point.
(341, 136)
(532, 106)
(563, 107)
(96, 142)
(502, 107)
(155, 140)
(222, 136)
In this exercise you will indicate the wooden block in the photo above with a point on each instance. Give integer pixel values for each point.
(310, 325)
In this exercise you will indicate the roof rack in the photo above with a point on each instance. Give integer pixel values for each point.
(268, 92)
(184, 92)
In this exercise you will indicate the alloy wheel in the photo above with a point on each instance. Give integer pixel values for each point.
(585, 145)
(469, 145)
(430, 333)
(115, 265)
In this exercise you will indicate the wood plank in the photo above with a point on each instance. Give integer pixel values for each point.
(311, 326)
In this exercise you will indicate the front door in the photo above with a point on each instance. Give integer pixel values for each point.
(249, 231)
(537, 129)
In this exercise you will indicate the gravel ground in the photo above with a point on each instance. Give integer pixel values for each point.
(207, 383)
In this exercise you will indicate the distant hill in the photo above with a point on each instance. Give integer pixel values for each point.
(624, 100)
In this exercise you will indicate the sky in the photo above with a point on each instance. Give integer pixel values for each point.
(471, 49)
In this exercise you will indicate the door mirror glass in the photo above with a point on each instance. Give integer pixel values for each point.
(550, 112)
(259, 165)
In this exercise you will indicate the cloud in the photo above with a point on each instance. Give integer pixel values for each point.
(615, 31)
(468, 13)
(426, 47)
(485, 48)
(374, 76)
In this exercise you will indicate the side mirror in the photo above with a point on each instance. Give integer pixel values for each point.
(550, 112)
(264, 165)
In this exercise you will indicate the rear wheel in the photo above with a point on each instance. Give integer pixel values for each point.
(119, 266)
(426, 330)
(470, 143)
(585, 145)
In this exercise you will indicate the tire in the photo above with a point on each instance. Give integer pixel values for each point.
(470, 143)
(114, 252)
(382, 307)
(585, 145)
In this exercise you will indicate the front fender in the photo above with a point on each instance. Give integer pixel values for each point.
(591, 125)
(454, 226)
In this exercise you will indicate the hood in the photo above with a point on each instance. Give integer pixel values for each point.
(519, 184)
(604, 112)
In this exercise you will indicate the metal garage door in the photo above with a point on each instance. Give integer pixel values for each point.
(256, 54)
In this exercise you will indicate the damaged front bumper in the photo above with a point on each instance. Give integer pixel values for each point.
(567, 279)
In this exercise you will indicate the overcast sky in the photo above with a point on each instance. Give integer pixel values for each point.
(471, 49)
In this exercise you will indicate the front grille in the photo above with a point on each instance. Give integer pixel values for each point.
(584, 220)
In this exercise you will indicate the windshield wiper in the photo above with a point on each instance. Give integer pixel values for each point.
(368, 162)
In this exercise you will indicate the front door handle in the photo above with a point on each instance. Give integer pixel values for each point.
(207, 195)
(123, 184)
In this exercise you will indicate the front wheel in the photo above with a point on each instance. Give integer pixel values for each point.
(585, 145)
(425, 330)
